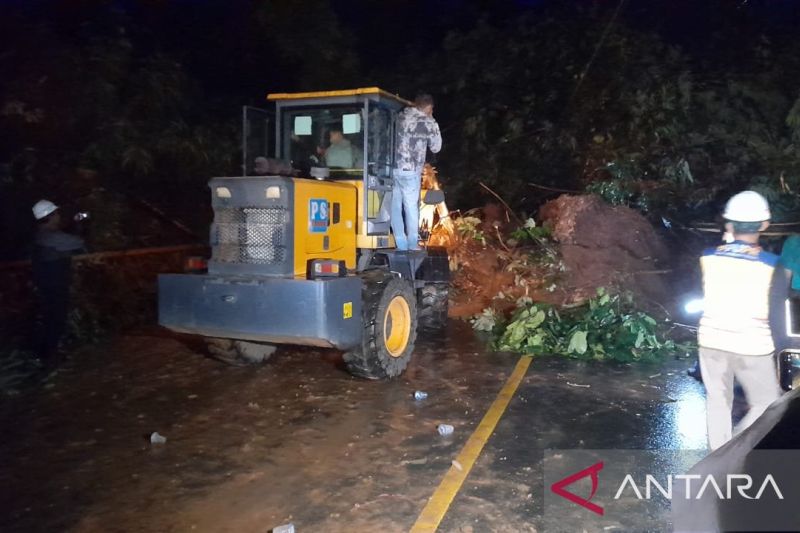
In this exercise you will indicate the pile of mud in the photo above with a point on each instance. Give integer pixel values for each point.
(605, 246)
(592, 245)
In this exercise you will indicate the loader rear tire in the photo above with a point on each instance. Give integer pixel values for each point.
(239, 353)
(432, 304)
(389, 317)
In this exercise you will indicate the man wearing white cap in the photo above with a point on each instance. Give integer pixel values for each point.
(52, 271)
(734, 334)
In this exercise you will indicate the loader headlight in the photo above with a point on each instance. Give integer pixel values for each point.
(273, 192)
(223, 192)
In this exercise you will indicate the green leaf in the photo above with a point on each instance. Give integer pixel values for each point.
(577, 343)
(639, 339)
(536, 340)
(536, 320)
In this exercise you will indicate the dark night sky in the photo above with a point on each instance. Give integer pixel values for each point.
(208, 35)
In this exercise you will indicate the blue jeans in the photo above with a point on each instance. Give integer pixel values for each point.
(405, 197)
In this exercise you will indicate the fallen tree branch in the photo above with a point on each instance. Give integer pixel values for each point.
(597, 48)
(667, 314)
(508, 209)
(554, 189)
(499, 238)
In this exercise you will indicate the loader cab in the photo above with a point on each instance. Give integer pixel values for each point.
(351, 135)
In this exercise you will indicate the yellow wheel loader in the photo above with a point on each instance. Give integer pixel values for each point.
(304, 255)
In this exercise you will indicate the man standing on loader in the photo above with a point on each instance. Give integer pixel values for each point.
(734, 334)
(417, 131)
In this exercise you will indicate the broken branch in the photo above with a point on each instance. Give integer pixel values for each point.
(508, 209)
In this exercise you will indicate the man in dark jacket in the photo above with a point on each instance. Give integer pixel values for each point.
(52, 271)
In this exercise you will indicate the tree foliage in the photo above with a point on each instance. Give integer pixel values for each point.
(135, 93)
(608, 327)
(146, 96)
(145, 101)
(544, 99)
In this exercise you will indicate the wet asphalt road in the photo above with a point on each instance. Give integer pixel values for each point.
(299, 440)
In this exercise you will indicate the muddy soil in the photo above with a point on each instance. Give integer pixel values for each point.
(299, 440)
(605, 246)
(592, 245)
(247, 448)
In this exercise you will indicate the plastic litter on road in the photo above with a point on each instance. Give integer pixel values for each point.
(156, 438)
(445, 429)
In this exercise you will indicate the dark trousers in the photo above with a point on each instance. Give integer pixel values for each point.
(53, 307)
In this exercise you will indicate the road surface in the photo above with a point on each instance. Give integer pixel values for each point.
(298, 440)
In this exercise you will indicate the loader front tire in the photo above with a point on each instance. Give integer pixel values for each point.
(389, 317)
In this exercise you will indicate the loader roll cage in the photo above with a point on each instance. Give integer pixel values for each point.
(365, 118)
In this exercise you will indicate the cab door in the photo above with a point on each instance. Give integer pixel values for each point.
(258, 137)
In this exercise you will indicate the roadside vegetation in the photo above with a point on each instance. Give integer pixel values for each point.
(577, 100)
(570, 99)
(525, 316)
(607, 327)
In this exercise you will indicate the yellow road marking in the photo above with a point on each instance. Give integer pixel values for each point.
(440, 501)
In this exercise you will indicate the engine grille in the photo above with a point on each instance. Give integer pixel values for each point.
(253, 235)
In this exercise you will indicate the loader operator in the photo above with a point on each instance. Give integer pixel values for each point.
(341, 153)
(417, 131)
(52, 271)
(734, 334)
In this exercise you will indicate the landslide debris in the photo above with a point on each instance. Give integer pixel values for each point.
(574, 246)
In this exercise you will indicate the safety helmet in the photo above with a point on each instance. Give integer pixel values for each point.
(747, 206)
(42, 208)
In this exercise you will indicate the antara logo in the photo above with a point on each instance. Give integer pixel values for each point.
(741, 484)
(592, 472)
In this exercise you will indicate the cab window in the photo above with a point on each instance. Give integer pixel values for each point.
(330, 136)
(380, 142)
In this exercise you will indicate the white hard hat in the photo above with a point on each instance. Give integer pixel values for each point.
(42, 208)
(747, 206)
